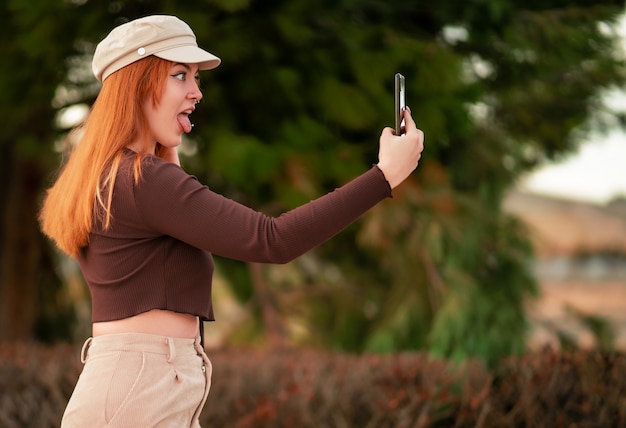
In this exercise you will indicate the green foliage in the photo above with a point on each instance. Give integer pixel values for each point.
(602, 330)
(441, 267)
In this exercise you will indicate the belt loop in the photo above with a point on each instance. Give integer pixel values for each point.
(197, 343)
(84, 350)
(172, 353)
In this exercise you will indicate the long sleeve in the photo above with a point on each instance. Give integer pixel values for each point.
(174, 203)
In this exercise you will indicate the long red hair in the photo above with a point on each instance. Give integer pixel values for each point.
(85, 184)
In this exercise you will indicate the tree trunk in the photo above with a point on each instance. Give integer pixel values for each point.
(21, 247)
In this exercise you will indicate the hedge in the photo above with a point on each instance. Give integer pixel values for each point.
(308, 388)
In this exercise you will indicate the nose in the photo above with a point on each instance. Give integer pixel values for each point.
(195, 93)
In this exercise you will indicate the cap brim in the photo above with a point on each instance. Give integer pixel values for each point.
(190, 55)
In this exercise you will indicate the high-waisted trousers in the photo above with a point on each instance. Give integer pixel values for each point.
(139, 380)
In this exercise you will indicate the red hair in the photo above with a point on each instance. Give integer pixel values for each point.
(85, 184)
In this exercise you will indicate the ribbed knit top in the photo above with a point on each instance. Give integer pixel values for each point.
(157, 252)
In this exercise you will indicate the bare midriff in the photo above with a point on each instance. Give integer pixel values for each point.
(156, 321)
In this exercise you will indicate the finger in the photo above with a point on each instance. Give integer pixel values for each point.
(409, 123)
(388, 130)
(421, 137)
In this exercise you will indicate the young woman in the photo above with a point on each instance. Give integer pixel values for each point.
(143, 230)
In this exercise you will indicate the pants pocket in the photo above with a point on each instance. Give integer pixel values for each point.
(124, 381)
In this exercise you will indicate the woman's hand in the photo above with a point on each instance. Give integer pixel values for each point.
(398, 156)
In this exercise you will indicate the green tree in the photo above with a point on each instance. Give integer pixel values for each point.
(442, 267)
(32, 68)
(296, 109)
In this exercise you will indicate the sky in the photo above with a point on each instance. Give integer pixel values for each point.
(597, 172)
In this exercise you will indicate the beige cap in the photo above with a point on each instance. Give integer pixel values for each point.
(164, 36)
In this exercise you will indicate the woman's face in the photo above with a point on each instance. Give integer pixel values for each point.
(168, 120)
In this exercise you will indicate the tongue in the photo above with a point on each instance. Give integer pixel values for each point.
(184, 122)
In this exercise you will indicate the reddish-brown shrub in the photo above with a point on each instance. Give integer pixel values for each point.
(568, 389)
(35, 384)
(305, 388)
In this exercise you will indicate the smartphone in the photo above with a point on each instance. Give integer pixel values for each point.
(400, 101)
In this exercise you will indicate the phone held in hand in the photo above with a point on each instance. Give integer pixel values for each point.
(400, 101)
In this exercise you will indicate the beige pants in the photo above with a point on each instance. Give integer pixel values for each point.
(139, 380)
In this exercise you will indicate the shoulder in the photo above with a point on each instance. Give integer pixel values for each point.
(148, 167)
(162, 176)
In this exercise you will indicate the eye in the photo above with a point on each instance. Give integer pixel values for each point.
(182, 76)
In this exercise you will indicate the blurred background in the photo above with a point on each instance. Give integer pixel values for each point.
(510, 236)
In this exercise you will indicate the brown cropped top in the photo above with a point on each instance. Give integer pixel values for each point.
(157, 252)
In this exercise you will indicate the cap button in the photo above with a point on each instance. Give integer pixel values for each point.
(141, 51)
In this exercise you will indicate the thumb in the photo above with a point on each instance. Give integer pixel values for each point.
(409, 123)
